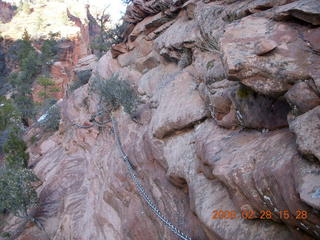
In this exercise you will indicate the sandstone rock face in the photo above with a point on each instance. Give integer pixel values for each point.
(72, 57)
(308, 11)
(210, 141)
(270, 74)
(87, 63)
(306, 127)
(178, 109)
(303, 97)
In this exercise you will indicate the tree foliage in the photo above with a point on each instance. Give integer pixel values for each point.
(48, 87)
(82, 78)
(15, 151)
(108, 36)
(116, 92)
(9, 115)
(49, 51)
(17, 193)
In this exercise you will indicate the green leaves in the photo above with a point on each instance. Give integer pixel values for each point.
(49, 50)
(9, 115)
(48, 86)
(82, 79)
(15, 151)
(116, 92)
(17, 194)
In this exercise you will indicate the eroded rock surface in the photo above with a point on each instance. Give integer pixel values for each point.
(306, 127)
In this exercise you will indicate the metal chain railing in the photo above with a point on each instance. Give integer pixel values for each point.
(139, 186)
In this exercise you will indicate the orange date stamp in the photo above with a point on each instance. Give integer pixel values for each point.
(263, 214)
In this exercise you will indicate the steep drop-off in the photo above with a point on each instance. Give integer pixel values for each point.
(230, 121)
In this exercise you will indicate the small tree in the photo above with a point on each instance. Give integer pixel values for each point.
(8, 114)
(15, 150)
(17, 195)
(107, 36)
(26, 36)
(115, 92)
(48, 87)
(31, 65)
(49, 50)
(21, 48)
(26, 106)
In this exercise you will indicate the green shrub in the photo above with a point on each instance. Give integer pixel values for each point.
(21, 48)
(5, 235)
(17, 194)
(115, 92)
(108, 37)
(15, 151)
(33, 139)
(49, 50)
(9, 115)
(81, 79)
(244, 92)
(31, 65)
(25, 105)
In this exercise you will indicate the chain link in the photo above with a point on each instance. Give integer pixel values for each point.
(140, 188)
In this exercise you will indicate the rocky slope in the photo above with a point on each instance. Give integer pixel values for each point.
(73, 39)
(230, 121)
(7, 12)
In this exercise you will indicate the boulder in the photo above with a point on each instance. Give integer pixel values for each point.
(265, 46)
(308, 182)
(180, 105)
(259, 111)
(106, 66)
(233, 106)
(138, 49)
(209, 195)
(210, 21)
(257, 170)
(86, 63)
(182, 33)
(312, 36)
(302, 97)
(118, 49)
(209, 66)
(148, 25)
(306, 128)
(140, 9)
(305, 10)
(274, 72)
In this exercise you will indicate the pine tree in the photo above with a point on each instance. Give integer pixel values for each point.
(15, 151)
(48, 86)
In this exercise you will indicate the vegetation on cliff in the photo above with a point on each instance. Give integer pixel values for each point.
(115, 92)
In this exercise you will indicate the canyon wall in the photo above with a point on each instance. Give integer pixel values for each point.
(229, 122)
(7, 12)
